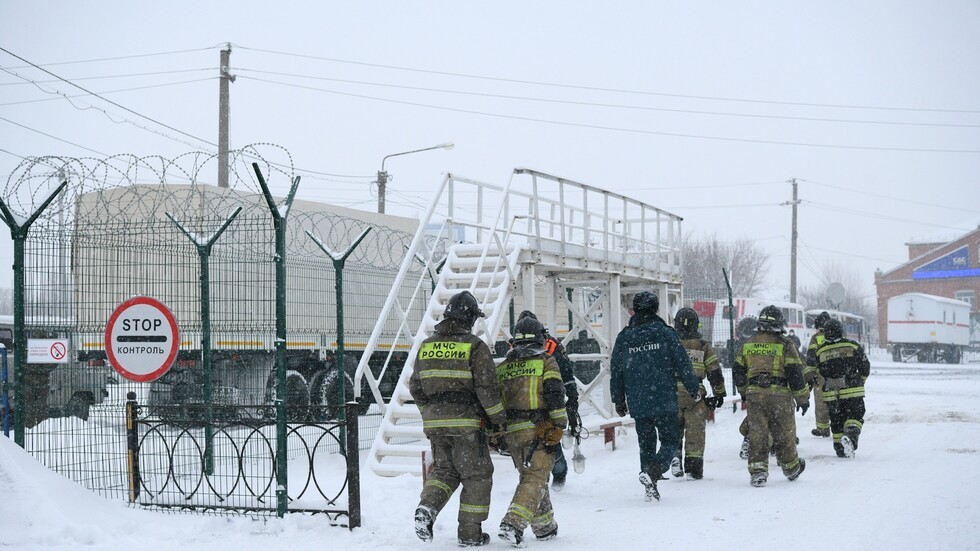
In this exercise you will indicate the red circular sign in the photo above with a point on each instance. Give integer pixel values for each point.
(141, 339)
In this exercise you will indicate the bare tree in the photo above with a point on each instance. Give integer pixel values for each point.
(704, 258)
(854, 302)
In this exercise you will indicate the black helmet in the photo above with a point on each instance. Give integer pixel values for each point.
(527, 330)
(686, 321)
(746, 327)
(645, 301)
(771, 320)
(463, 307)
(527, 314)
(820, 321)
(833, 331)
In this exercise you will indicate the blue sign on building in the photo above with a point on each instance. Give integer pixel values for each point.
(954, 264)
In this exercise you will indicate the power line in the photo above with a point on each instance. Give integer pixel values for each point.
(9, 70)
(620, 129)
(864, 214)
(601, 89)
(611, 105)
(134, 56)
(893, 198)
(8, 52)
(65, 96)
(52, 137)
(850, 254)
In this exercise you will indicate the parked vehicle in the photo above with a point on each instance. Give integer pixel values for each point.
(927, 328)
(854, 326)
(56, 389)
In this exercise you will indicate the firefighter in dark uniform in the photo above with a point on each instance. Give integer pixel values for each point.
(844, 367)
(554, 347)
(454, 384)
(693, 414)
(744, 331)
(815, 379)
(534, 400)
(647, 360)
(768, 374)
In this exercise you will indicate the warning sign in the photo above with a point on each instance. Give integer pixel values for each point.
(47, 351)
(141, 339)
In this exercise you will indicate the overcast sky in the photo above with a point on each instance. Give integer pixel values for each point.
(705, 109)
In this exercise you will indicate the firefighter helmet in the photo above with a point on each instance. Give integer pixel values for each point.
(527, 314)
(686, 321)
(820, 321)
(833, 331)
(746, 327)
(528, 330)
(771, 320)
(645, 301)
(463, 307)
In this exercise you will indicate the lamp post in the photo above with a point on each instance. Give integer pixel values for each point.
(383, 175)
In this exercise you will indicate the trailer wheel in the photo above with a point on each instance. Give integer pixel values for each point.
(324, 397)
(897, 354)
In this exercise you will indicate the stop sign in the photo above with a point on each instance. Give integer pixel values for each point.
(141, 339)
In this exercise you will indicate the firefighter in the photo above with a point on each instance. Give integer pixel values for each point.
(769, 375)
(646, 361)
(693, 414)
(554, 347)
(815, 379)
(534, 400)
(454, 385)
(744, 331)
(844, 367)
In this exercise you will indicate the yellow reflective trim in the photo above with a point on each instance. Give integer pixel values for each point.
(521, 511)
(439, 484)
(467, 508)
(559, 414)
(450, 423)
(445, 350)
(532, 389)
(762, 349)
(552, 375)
(517, 427)
(446, 374)
(495, 409)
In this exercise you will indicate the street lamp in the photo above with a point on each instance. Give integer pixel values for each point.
(383, 176)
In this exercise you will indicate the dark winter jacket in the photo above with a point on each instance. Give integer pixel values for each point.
(454, 382)
(554, 347)
(647, 362)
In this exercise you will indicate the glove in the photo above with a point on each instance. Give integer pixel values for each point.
(714, 401)
(696, 397)
(802, 405)
(495, 437)
(622, 410)
(547, 433)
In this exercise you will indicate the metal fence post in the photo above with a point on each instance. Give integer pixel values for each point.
(133, 447)
(338, 266)
(731, 333)
(279, 222)
(353, 471)
(18, 232)
(204, 253)
(5, 404)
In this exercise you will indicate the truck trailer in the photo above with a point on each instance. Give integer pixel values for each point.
(927, 328)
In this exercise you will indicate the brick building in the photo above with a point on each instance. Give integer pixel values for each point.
(947, 269)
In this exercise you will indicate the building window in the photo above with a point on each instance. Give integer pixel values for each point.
(968, 296)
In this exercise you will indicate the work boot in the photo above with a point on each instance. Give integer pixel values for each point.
(847, 446)
(823, 433)
(558, 482)
(549, 533)
(852, 434)
(759, 479)
(839, 448)
(512, 534)
(424, 518)
(650, 485)
(483, 539)
(694, 466)
(675, 467)
(797, 471)
(743, 452)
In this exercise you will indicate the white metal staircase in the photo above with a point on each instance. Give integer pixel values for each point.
(488, 273)
(540, 240)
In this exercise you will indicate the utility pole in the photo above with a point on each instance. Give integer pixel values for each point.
(224, 114)
(382, 184)
(792, 254)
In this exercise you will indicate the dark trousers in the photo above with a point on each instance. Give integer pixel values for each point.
(666, 428)
(844, 413)
(561, 466)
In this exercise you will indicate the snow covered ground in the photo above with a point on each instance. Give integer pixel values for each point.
(912, 486)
